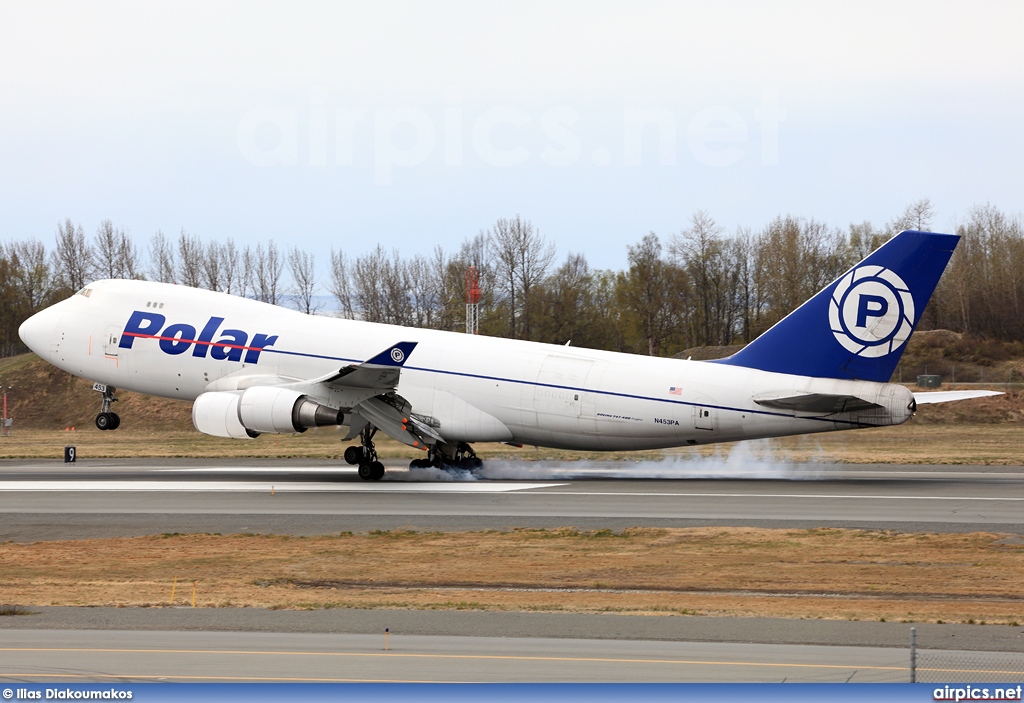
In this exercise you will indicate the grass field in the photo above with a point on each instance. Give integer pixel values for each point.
(913, 443)
(820, 573)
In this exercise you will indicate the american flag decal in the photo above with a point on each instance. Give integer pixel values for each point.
(673, 390)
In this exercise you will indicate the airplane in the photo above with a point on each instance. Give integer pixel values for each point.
(251, 368)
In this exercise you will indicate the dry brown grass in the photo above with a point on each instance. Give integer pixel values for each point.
(821, 573)
(913, 443)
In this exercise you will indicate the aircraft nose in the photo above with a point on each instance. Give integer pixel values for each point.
(37, 331)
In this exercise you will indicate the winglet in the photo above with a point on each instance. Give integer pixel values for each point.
(393, 356)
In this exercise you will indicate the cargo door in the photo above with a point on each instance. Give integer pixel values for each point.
(703, 417)
(558, 394)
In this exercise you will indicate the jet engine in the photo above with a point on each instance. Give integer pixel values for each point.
(260, 409)
(217, 414)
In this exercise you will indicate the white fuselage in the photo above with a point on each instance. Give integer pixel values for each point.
(539, 394)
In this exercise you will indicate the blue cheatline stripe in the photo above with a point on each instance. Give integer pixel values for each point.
(614, 394)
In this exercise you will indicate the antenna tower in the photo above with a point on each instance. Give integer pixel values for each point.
(472, 301)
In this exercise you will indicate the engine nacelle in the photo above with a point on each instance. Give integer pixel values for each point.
(260, 409)
(217, 414)
(283, 411)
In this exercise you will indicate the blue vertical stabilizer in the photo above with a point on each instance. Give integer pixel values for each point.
(857, 327)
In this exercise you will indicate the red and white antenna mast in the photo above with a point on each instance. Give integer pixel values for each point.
(472, 301)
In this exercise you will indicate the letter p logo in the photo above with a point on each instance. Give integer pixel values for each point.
(872, 311)
(140, 324)
(870, 306)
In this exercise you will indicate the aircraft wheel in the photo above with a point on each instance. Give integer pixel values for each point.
(471, 464)
(374, 471)
(104, 421)
(378, 471)
(419, 464)
(353, 454)
(115, 421)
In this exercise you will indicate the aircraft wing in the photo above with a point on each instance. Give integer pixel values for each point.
(379, 373)
(822, 403)
(925, 397)
(376, 381)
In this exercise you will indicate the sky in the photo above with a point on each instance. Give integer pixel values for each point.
(415, 125)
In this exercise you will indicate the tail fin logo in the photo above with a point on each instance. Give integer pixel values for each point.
(397, 355)
(872, 311)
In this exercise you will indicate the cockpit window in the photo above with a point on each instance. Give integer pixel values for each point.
(86, 292)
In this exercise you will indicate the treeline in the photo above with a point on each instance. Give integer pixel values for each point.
(696, 287)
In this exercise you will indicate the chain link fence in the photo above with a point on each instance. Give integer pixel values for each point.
(944, 666)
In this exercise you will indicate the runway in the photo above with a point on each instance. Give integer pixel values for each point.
(42, 500)
(46, 500)
(175, 656)
(64, 655)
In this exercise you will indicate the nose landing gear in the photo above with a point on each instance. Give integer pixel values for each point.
(107, 420)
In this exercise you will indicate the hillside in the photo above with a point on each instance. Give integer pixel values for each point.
(42, 397)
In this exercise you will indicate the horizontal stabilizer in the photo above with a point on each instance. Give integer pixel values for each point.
(823, 403)
(949, 396)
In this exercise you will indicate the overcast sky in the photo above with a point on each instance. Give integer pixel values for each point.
(418, 124)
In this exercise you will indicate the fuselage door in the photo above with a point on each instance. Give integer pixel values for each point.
(703, 417)
(558, 394)
(110, 339)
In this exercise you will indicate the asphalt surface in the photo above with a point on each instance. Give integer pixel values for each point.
(189, 656)
(401, 656)
(42, 500)
(48, 500)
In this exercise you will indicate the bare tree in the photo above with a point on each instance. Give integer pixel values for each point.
(381, 287)
(341, 287)
(128, 256)
(522, 259)
(190, 260)
(795, 259)
(864, 239)
(263, 268)
(702, 251)
(426, 292)
(115, 253)
(569, 315)
(213, 266)
(106, 250)
(645, 292)
(230, 273)
(72, 257)
(449, 273)
(303, 269)
(918, 215)
(162, 265)
(30, 272)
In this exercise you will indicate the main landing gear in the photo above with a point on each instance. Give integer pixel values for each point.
(449, 457)
(370, 469)
(107, 420)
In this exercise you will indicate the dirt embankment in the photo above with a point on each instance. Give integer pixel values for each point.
(42, 397)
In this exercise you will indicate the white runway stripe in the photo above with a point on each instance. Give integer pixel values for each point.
(813, 496)
(335, 470)
(265, 487)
